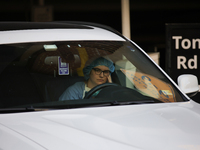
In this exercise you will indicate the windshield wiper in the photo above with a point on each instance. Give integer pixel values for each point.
(15, 110)
(73, 104)
(133, 102)
(115, 103)
(19, 110)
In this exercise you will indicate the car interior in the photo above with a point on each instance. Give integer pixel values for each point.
(32, 75)
(40, 72)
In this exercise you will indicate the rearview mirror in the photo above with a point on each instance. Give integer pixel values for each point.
(188, 83)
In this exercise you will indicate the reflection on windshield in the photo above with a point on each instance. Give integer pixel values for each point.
(37, 74)
(151, 86)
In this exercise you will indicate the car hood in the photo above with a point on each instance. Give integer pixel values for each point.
(166, 126)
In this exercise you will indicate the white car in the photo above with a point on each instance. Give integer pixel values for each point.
(142, 109)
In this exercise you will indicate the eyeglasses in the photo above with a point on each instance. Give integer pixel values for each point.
(98, 71)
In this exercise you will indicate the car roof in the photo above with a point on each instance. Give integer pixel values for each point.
(23, 32)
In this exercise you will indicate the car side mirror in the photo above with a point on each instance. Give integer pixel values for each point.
(188, 83)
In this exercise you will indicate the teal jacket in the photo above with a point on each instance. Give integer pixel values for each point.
(73, 92)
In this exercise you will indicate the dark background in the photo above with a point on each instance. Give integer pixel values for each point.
(186, 31)
(148, 17)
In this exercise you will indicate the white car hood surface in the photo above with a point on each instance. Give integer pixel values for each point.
(172, 126)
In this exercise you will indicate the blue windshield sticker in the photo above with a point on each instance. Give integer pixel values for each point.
(63, 67)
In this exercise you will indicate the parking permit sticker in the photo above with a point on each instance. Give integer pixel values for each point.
(63, 67)
(151, 86)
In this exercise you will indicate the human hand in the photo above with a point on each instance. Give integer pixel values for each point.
(109, 79)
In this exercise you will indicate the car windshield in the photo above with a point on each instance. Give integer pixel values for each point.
(37, 74)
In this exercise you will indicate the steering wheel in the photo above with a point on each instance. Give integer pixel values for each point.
(98, 87)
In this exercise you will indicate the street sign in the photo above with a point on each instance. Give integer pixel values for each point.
(183, 51)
